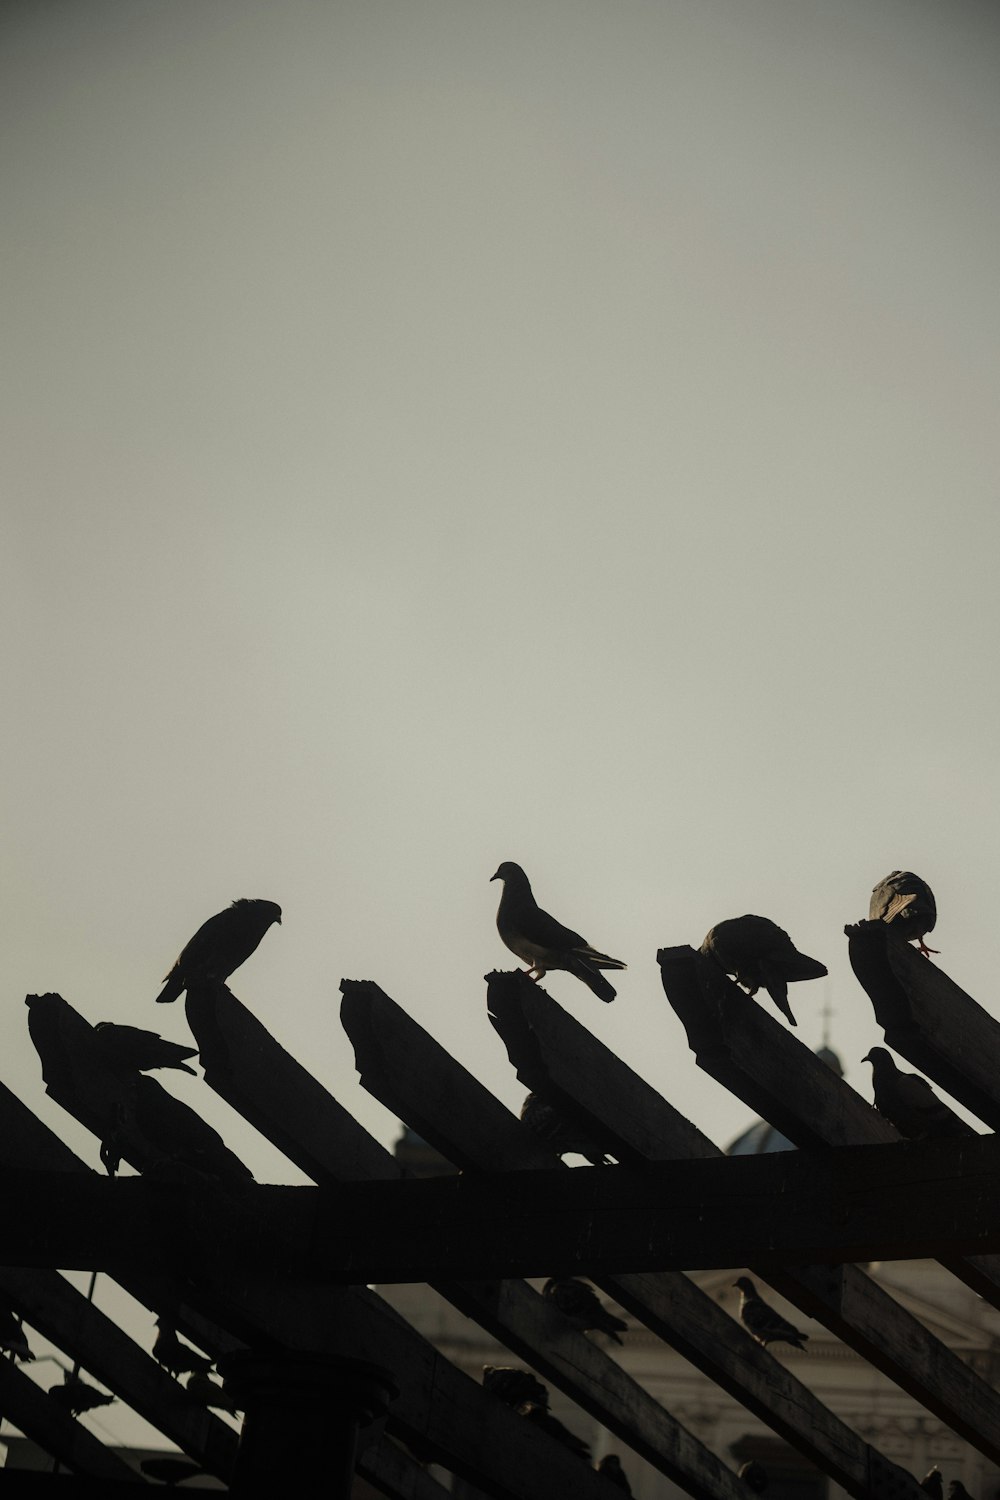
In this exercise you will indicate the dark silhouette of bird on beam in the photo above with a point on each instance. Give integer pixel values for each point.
(137, 1051)
(583, 1308)
(545, 1122)
(933, 1483)
(766, 1325)
(760, 954)
(957, 1490)
(178, 1358)
(908, 1102)
(611, 1467)
(76, 1396)
(514, 1386)
(13, 1340)
(753, 1475)
(907, 903)
(210, 1394)
(542, 942)
(219, 946)
(538, 1416)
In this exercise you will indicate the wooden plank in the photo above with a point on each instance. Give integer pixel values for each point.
(546, 1043)
(759, 1061)
(929, 1019)
(67, 1319)
(393, 1473)
(669, 1305)
(28, 1407)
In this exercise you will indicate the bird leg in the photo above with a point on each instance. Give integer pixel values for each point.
(923, 948)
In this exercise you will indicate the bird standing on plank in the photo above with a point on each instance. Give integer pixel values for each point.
(541, 941)
(139, 1051)
(219, 946)
(545, 1122)
(907, 903)
(76, 1396)
(908, 1102)
(584, 1309)
(766, 1325)
(514, 1386)
(933, 1483)
(611, 1467)
(759, 953)
(176, 1357)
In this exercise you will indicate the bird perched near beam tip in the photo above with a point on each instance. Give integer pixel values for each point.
(542, 942)
(135, 1050)
(759, 953)
(219, 946)
(907, 1101)
(580, 1304)
(907, 904)
(760, 1320)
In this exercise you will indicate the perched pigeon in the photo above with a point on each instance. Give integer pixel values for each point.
(907, 902)
(541, 941)
(514, 1386)
(766, 1325)
(550, 1126)
(76, 1396)
(12, 1337)
(139, 1051)
(760, 953)
(219, 946)
(539, 1417)
(170, 1470)
(908, 1102)
(957, 1490)
(578, 1302)
(611, 1467)
(753, 1475)
(933, 1483)
(176, 1357)
(210, 1394)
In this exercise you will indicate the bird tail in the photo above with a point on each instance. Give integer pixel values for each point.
(584, 968)
(804, 967)
(778, 990)
(601, 960)
(182, 1067)
(170, 990)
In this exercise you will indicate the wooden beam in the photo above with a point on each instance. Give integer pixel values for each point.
(414, 1069)
(393, 1473)
(553, 1053)
(928, 1019)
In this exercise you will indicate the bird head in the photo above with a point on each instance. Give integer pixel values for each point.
(268, 911)
(509, 871)
(876, 1056)
(744, 1284)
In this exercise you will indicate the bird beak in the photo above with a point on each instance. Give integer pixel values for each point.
(495, 877)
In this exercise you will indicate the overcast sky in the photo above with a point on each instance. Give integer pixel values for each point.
(445, 433)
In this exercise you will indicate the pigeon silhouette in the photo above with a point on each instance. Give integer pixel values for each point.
(210, 1394)
(580, 1304)
(908, 1102)
(753, 1475)
(933, 1483)
(611, 1467)
(759, 953)
(538, 1416)
(542, 942)
(549, 1126)
(134, 1050)
(219, 946)
(766, 1325)
(957, 1490)
(12, 1337)
(907, 903)
(76, 1396)
(178, 1358)
(514, 1386)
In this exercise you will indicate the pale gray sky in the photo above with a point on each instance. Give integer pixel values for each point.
(445, 433)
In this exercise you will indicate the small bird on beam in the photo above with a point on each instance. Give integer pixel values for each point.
(138, 1051)
(219, 946)
(759, 953)
(611, 1467)
(542, 942)
(76, 1396)
(933, 1483)
(514, 1386)
(957, 1490)
(545, 1121)
(584, 1309)
(908, 1102)
(538, 1416)
(210, 1394)
(176, 1357)
(766, 1325)
(907, 903)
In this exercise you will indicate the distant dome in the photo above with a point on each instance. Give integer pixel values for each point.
(763, 1137)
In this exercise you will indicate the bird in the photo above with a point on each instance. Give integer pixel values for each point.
(907, 903)
(538, 1416)
(178, 1358)
(210, 1394)
(760, 953)
(139, 1051)
(170, 1470)
(12, 1337)
(514, 1386)
(219, 946)
(933, 1483)
(766, 1325)
(544, 1121)
(580, 1304)
(753, 1475)
(957, 1490)
(542, 942)
(907, 1101)
(611, 1467)
(76, 1396)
